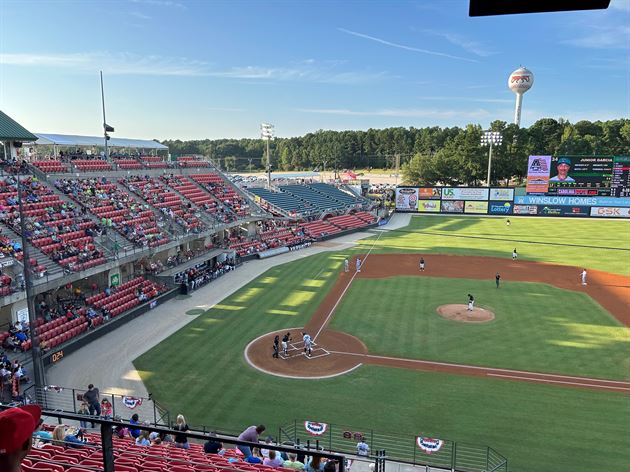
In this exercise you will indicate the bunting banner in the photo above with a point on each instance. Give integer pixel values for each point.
(315, 429)
(53, 388)
(429, 445)
(132, 402)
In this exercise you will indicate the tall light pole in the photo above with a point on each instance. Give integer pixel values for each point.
(266, 132)
(490, 138)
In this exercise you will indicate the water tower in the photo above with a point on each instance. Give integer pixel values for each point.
(520, 81)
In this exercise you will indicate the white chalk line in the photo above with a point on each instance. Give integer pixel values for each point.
(535, 379)
(332, 310)
(599, 383)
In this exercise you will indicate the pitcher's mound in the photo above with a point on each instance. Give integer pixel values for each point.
(461, 313)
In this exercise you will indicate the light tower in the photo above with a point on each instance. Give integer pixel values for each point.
(266, 133)
(520, 81)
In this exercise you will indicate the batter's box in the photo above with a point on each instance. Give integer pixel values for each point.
(297, 350)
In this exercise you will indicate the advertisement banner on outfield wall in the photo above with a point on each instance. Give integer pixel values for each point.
(500, 208)
(538, 168)
(432, 206)
(570, 201)
(406, 199)
(452, 207)
(525, 209)
(610, 212)
(476, 207)
(464, 193)
(504, 194)
(557, 210)
(429, 193)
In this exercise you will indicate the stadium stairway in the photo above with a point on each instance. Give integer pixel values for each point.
(54, 270)
(255, 209)
(205, 216)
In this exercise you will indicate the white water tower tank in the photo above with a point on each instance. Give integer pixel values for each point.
(520, 81)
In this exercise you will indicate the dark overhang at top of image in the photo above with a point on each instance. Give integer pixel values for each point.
(511, 7)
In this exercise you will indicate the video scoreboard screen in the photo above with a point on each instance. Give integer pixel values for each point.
(584, 176)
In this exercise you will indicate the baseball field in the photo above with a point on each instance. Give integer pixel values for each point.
(546, 382)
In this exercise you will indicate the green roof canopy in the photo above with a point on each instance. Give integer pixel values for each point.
(11, 130)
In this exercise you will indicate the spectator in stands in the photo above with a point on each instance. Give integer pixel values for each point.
(135, 420)
(362, 448)
(181, 440)
(92, 397)
(251, 435)
(68, 437)
(106, 409)
(255, 457)
(143, 439)
(16, 427)
(273, 460)
(213, 446)
(292, 462)
(315, 464)
(120, 431)
(83, 410)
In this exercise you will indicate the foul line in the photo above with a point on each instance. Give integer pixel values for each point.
(598, 383)
(332, 310)
(534, 379)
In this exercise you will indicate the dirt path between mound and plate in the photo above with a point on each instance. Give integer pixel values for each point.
(345, 352)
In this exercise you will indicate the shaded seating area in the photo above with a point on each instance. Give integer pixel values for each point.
(319, 228)
(320, 201)
(333, 192)
(51, 166)
(192, 161)
(285, 201)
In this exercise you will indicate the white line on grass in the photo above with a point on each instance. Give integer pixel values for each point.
(345, 290)
(492, 369)
(536, 379)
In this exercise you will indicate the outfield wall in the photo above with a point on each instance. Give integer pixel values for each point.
(503, 201)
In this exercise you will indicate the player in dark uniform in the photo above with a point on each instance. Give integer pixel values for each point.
(498, 279)
(276, 346)
(285, 343)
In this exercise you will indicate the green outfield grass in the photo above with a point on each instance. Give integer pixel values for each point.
(200, 370)
(596, 244)
(537, 327)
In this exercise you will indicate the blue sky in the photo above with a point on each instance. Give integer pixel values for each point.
(212, 69)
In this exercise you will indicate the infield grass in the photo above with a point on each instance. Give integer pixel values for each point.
(591, 243)
(537, 327)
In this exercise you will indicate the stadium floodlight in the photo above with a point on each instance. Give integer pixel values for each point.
(491, 138)
(266, 133)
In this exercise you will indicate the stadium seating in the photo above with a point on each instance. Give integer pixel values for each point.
(335, 193)
(50, 167)
(319, 228)
(153, 162)
(223, 191)
(155, 193)
(124, 297)
(91, 165)
(128, 164)
(192, 161)
(192, 192)
(285, 201)
(318, 200)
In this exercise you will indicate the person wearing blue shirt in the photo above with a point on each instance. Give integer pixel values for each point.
(132, 431)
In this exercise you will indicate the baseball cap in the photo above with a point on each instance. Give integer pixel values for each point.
(564, 160)
(17, 425)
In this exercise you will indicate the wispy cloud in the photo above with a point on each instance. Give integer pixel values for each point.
(154, 65)
(469, 99)
(401, 112)
(474, 47)
(139, 15)
(160, 3)
(405, 47)
(602, 37)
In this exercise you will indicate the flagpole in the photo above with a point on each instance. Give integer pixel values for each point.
(104, 120)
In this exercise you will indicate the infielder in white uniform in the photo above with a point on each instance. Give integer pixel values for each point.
(346, 265)
(583, 275)
(308, 344)
(358, 264)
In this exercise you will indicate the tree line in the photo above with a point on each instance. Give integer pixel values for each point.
(451, 156)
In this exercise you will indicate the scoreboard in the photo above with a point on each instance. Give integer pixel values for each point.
(620, 182)
(580, 176)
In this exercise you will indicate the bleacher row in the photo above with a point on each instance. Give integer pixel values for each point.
(99, 165)
(308, 199)
(62, 329)
(131, 458)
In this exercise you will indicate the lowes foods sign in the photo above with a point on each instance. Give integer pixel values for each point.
(500, 208)
(610, 212)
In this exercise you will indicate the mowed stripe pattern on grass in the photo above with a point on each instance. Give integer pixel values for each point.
(537, 327)
(591, 243)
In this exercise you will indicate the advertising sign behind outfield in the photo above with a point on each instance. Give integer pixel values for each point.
(432, 206)
(551, 210)
(525, 209)
(406, 199)
(452, 207)
(538, 174)
(464, 193)
(610, 212)
(429, 192)
(504, 194)
(500, 208)
(476, 207)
